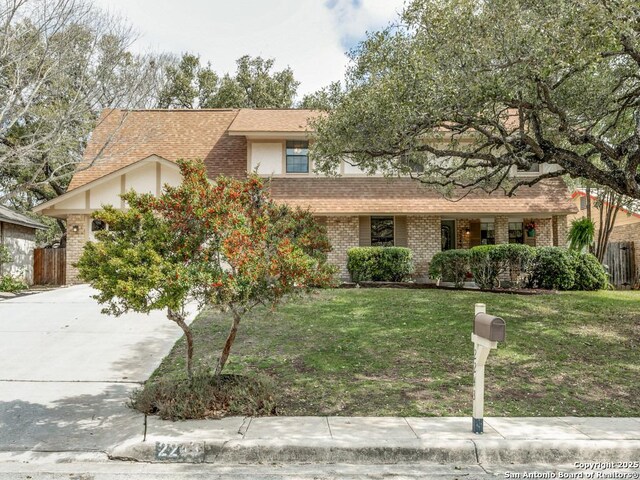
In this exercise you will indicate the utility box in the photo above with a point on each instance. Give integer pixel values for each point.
(490, 327)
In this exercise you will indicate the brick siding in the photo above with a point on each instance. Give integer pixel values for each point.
(75, 245)
(560, 230)
(343, 233)
(544, 232)
(501, 226)
(424, 240)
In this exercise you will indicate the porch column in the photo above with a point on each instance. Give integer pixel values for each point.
(343, 233)
(424, 240)
(501, 228)
(560, 230)
(544, 232)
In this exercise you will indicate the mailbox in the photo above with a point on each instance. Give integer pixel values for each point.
(489, 327)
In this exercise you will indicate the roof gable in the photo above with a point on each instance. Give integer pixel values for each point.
(123, 137)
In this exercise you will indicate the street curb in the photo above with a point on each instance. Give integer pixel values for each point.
(296, 451)
(492, 451)
(483, 451)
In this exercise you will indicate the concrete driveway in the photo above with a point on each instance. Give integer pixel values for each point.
(66, 370)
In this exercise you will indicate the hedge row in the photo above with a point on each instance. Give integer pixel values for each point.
(552, 268)
(379, 264)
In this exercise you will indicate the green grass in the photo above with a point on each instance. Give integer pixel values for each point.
(409, 352)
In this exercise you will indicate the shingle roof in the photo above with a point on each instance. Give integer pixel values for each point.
(367, 195)
(269, 120)
(11, 216)
(130, 135)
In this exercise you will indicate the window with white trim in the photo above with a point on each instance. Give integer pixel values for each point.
(297, 160)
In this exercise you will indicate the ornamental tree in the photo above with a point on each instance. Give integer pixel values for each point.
(225, 244)
(459, 92)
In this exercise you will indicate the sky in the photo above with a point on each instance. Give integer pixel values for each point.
(310, 36)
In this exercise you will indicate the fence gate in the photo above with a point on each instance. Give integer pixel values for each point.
(49, 266)
(620, 258)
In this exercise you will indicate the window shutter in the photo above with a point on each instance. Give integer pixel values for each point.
(365, 231)
(400, 234)
(474, 233)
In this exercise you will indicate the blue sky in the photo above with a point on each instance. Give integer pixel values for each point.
(311, 36)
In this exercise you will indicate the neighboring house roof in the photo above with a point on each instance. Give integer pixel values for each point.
(8, 215)
(633, 211)
(378, 195)
(123, 137)
(271, 120)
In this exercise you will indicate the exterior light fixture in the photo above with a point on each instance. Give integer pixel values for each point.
(467, 231)
(75, 228)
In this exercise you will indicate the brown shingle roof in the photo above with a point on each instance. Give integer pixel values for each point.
(356, 195)
(268, 120)
(123, 137)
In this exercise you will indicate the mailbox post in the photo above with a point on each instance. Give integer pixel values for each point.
(487, 332)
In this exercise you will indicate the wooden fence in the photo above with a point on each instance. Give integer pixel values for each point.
(620, 258)
(49, 266)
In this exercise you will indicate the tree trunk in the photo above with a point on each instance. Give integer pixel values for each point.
(229, 343)
(610, 204)
(178, 317)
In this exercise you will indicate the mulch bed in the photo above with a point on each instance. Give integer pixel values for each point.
(424, 286)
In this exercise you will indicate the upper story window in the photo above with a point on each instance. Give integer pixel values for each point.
(583, 203)
(297, 157)
(382, 231)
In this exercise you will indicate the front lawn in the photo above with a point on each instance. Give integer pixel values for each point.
(409, 352)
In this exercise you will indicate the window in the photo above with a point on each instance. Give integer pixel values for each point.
(583, 203)
(516, 232)
(382, 231)
(97, 226)
(487, 234)
(297, 157)
(534, 167)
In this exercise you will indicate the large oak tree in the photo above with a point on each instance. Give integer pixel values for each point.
(469, 89)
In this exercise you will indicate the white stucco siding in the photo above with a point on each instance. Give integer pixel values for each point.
(171, 176)
(353, 169)
(76, 202)
(20, 241)
(107, 193)
(143, 179)
(266, 158)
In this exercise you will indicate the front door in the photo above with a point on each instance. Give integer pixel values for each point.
(448, 234)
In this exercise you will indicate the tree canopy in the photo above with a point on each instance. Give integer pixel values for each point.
(61, 64)
(460, 92)
(254, 85)
(226, 245)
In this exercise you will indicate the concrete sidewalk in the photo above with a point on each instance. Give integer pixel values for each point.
(360, 440)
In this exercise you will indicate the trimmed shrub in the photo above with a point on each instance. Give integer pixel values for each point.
(379, 264)
(486, 263)
(518, 260)
(590, 274)
(553, 269)
(450, 266)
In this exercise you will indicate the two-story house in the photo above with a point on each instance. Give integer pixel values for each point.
(137, 149)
